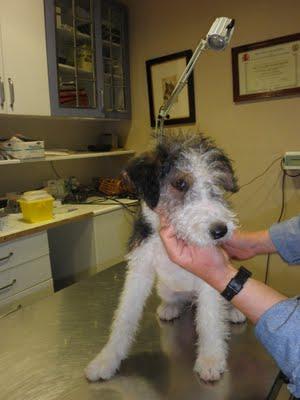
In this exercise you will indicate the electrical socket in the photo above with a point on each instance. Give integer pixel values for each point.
(291, 160)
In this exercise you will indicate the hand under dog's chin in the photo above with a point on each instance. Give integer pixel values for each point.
(196, 236)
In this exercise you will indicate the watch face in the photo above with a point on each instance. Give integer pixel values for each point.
(235, 285)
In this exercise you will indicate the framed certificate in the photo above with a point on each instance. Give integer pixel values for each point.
(266, 69)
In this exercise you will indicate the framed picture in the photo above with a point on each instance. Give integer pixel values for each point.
(162, 75)
(266, 69)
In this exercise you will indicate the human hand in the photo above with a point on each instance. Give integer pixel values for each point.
(245, 245)
(209, 263)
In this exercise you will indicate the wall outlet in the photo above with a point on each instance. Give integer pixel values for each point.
(291, 160)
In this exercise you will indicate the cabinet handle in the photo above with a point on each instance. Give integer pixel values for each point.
(11, 92)
(2, 93)
(9, 285)
(7, 257)
(101, 91)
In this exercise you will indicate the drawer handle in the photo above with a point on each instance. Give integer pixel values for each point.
(9, 285)
(7, 257)
(17, 308)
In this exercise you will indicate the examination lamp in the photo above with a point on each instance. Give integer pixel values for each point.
(217, 38)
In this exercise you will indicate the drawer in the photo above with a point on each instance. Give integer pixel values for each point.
(24, 276)
(25, 298)
(22, 250)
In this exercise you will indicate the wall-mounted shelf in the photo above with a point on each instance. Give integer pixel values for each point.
(72, 156)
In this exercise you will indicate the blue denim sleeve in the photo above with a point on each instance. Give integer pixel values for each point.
(286, 239)
(279, 331)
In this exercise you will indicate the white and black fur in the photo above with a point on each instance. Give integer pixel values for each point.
(186, 177)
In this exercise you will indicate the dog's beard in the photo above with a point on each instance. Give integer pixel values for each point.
(193, 222)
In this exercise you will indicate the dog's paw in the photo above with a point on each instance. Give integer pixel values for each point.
(104, 366)
(210, 368)
(168, 311)
(236, 316)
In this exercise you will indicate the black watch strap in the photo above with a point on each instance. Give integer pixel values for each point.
(236, 284)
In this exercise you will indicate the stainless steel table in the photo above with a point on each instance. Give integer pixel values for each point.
(45, 347)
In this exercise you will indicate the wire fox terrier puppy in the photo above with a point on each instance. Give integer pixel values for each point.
(186, 177)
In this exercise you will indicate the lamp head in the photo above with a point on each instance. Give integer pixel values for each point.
(220, 33)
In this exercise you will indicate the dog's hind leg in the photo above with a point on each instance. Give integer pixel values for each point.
(172, 303)
(138, 284)
(213, 330)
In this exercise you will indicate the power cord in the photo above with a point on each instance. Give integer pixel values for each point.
(55, 171)
(110, 200)
(282, 210)
(262, 174)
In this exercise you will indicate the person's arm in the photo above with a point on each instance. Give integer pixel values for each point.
(212, 265)
(277, 318)
(286, 239)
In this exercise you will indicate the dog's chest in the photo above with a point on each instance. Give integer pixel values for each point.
(173, 276)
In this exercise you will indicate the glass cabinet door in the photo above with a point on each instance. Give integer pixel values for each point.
(75, 54)
(114, 40)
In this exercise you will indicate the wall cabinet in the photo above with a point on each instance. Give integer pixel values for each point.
(115, 56)
(23, 59)
(87, 47)
(64, 58)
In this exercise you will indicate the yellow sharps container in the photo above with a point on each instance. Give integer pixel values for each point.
(36, 206)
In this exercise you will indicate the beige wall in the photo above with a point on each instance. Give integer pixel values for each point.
(253, 134)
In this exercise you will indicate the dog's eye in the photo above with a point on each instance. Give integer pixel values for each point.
(181, 185)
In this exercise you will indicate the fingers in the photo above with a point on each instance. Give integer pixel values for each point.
(174, 246)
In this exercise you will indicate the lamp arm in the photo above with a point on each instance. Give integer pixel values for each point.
(164, 110)
(217, 38)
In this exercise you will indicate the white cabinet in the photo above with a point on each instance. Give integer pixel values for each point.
(24, 58)
(111, 235)
(25, 271)
(85, 247)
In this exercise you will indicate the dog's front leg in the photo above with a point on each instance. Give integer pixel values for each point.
(138, 284)
(212, 329)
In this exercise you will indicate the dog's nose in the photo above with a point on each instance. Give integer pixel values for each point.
(218, 230)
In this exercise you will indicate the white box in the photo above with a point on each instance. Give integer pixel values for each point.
(23, 150)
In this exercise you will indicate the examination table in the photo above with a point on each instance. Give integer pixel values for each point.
(45, 347)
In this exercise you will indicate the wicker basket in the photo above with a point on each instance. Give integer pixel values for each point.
(111, 187)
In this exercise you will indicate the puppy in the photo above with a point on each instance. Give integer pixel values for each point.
(186, 177)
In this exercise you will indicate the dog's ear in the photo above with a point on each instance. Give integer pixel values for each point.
(143, 173)
(227, 176)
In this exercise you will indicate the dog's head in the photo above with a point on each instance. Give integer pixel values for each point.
(186, 178)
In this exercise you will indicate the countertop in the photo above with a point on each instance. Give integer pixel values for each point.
(45, 347)
(16, 227)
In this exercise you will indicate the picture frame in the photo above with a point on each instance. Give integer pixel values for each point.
(266, 69)
(162, 76)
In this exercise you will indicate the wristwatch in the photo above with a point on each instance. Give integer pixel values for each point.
(236, 284)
